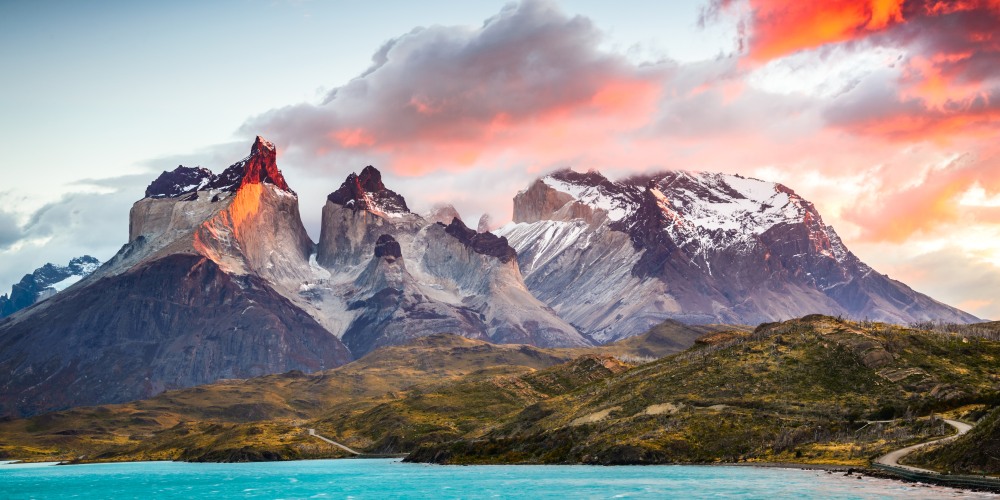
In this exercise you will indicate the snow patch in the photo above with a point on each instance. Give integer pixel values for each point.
(594, 196)
(64, 284)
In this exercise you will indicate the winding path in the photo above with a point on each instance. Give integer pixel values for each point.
(312, 432)
(891, 459)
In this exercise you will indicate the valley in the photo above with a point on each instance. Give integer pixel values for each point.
(816, 390)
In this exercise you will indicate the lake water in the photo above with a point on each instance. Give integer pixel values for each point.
(393, 479)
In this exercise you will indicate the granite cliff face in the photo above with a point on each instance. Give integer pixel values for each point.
(200, 292)
(246, 219)
(614, 258)
(394, 275)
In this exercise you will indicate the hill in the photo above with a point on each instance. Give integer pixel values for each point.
(268, 415)
(816, 390)
(808, 390)
(977, 452)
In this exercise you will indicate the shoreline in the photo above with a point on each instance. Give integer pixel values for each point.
(848, 470)
(873, 472)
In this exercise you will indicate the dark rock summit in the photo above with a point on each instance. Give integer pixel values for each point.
(179, 181)
(259, 167)
(365, 191)
(481, 243)
(388, 248)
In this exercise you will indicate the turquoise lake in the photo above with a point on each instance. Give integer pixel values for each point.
(393, 479)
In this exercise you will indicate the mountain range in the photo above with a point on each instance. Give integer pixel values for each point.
(615, 258)
(219, 278)
(45, 282)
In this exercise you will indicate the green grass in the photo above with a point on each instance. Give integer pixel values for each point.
(795, 391)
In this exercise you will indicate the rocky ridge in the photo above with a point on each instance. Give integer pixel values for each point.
(393, 275)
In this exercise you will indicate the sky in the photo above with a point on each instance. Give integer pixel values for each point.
(884, 113)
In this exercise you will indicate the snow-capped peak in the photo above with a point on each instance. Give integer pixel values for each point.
(732, 204)
(712, 210)
(595, 190)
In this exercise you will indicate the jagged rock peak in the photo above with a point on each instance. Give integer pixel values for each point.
(84, 264)
(365, 191)
(481, 243)
(484, 224)
(262, 145)
(388, 248)
(590, 178)
(179, 181)
(259, 168)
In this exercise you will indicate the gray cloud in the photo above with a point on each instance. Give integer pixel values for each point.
(10, 232)
(76, 224)
(953, 276)
(453, 84)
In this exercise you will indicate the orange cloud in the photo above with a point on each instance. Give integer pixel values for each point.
(948, 84)
(352, 137)
(779, 28)
(894, 214)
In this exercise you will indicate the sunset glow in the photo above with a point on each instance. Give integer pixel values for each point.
(884, 113)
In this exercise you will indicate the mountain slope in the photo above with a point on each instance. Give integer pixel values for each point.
(45, 282)
(614, 258)
(186, 423)
(197, 294)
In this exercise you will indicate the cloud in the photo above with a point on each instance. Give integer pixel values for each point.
(924, 196)
(10, 231)
(945, 83)
(531, 90)
(776, 28)
(443, 97)
(93, 222)
(951, 274)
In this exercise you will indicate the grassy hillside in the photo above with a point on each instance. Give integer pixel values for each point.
(170, 421)
(465, 408)
(808, 390)
(266, 417)
(799, 391)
